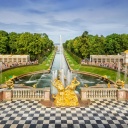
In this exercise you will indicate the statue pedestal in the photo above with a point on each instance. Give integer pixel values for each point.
(83, 94)
(7, 95)
(122, 94)
(127, 95)
(46, 94)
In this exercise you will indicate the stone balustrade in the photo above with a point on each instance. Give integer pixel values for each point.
(98, 93)
(44, 94)
(25, 94)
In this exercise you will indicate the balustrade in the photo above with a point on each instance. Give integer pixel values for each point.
(44, 94)
(35, 94)
(98, 93)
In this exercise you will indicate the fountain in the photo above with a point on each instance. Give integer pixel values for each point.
(32, 79)
(63, 70)
(119, 82)
(44, 79)
(125, 74)
(66, 95)
(118, 72)
(54, 76)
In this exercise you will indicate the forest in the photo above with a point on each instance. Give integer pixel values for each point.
(85, 45)
(37, 45)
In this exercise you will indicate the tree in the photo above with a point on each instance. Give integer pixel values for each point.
(85, 33)
(13, 38)
(23, 43)
(3, 42)
(113, 44)
(36, 45)
(96, 45)
(124, 42)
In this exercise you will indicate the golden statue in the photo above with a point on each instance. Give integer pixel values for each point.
(109, 85)
(120, 83)
(65, 96)
(35, 85)
(86, 85)
(10, 83)
(104, 77)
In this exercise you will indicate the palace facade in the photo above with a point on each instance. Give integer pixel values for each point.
(123, 58)
(14, 58)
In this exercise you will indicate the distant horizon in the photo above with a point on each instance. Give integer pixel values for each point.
(69, 18)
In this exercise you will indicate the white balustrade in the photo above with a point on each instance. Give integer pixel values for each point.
(98, 93)
(33, 94)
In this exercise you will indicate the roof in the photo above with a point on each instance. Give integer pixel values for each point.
(106, 56)
(14, 56)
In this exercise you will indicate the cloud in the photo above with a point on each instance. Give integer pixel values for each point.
(68, 18)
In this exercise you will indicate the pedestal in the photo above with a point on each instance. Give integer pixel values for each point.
(7, 95)
(83, 94)
(122, 94)
(126, 94)
(47, 94)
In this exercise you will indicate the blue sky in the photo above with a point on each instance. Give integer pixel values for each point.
(68, 18)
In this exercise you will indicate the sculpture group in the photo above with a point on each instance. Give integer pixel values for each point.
(66, 96)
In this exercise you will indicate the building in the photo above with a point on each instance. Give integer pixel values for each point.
(123, 58)
(14, 58)
(106, 58)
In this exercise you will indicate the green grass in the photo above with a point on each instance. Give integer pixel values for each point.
(111, 74)
(27, 69)
(47, 63)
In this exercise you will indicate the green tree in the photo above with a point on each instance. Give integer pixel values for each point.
(124, 42)
(113, 44)
(23, 43)
(13, 38)
(3, 42)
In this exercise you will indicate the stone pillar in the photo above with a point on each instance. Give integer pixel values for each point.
(122, 94)
(101, 60)
(83, 94)
(110, 60)
(22, 60)
(7, 95)
(47, 94)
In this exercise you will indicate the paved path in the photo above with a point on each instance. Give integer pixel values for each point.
(31, 114)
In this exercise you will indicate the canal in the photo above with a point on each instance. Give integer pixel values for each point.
(43, 80)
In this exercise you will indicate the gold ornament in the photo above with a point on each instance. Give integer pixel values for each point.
(120, 83)
(65, 96)
(10, 83)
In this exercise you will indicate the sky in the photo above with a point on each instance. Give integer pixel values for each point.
(68, 18)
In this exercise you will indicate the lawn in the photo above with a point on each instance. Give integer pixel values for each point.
(111, 74)
(27, 69)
